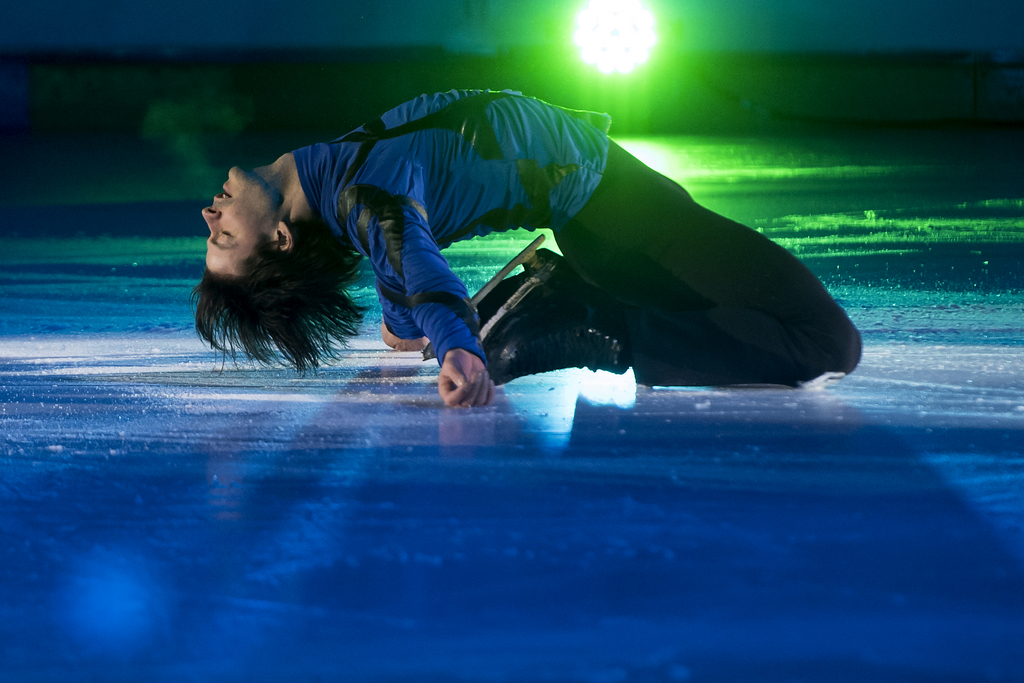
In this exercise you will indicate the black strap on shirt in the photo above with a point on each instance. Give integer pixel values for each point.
(457, 305)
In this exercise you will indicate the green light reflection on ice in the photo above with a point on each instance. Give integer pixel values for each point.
(683, 160)
(696, 162)
(871, 228)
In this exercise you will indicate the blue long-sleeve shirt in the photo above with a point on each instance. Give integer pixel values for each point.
(442, 168)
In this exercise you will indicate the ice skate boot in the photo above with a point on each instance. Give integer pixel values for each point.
(548, 318)
(526, 258)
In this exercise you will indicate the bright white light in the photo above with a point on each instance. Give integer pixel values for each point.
(615, 35)
(607, 389)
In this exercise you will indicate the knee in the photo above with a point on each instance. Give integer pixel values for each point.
(844, 347)
(831, 344)
(851, 351)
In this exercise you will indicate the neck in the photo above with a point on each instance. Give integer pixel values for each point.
(284, 177)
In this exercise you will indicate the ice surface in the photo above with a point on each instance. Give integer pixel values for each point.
(167, 516)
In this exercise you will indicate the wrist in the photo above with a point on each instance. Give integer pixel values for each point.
(466, 354)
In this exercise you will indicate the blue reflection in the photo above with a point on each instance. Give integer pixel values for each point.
(111, 604)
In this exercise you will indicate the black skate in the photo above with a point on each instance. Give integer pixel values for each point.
(548, 318)
(527, 254)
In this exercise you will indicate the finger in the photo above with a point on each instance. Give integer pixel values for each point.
(449, 393)
(490, 392)
(445, 386)
(454, 399)
(465, 394)
(452, 394)
(473, 391)
(480, 397)
(457, 378)
(463, 398)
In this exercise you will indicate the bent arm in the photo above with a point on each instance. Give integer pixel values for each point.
(419, 293)
(463, 380)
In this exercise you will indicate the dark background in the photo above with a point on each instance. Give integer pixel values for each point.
(730, 66)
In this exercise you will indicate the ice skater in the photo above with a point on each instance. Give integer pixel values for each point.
(648, 278)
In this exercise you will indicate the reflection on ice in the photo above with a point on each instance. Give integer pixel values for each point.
(992, 485)
(111, 603)
(548, 402)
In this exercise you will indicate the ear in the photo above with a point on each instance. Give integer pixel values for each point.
(283, 238)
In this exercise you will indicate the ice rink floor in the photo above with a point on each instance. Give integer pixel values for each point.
(168, 518)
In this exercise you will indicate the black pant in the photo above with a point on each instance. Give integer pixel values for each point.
(709, 301)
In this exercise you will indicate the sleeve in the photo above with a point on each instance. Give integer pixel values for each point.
(398, 319)
(414, 281)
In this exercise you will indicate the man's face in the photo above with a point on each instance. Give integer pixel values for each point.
(242, 216)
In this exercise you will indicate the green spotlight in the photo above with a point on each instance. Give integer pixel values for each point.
(616, 35)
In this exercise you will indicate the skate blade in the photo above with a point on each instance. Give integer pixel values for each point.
(521, 257)
(541, 274)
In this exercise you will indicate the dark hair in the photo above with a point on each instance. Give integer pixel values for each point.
(292, 306)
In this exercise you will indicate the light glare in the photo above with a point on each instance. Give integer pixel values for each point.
(615, 35)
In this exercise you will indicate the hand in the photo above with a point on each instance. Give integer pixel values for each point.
(399, 344)
(464, 381)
